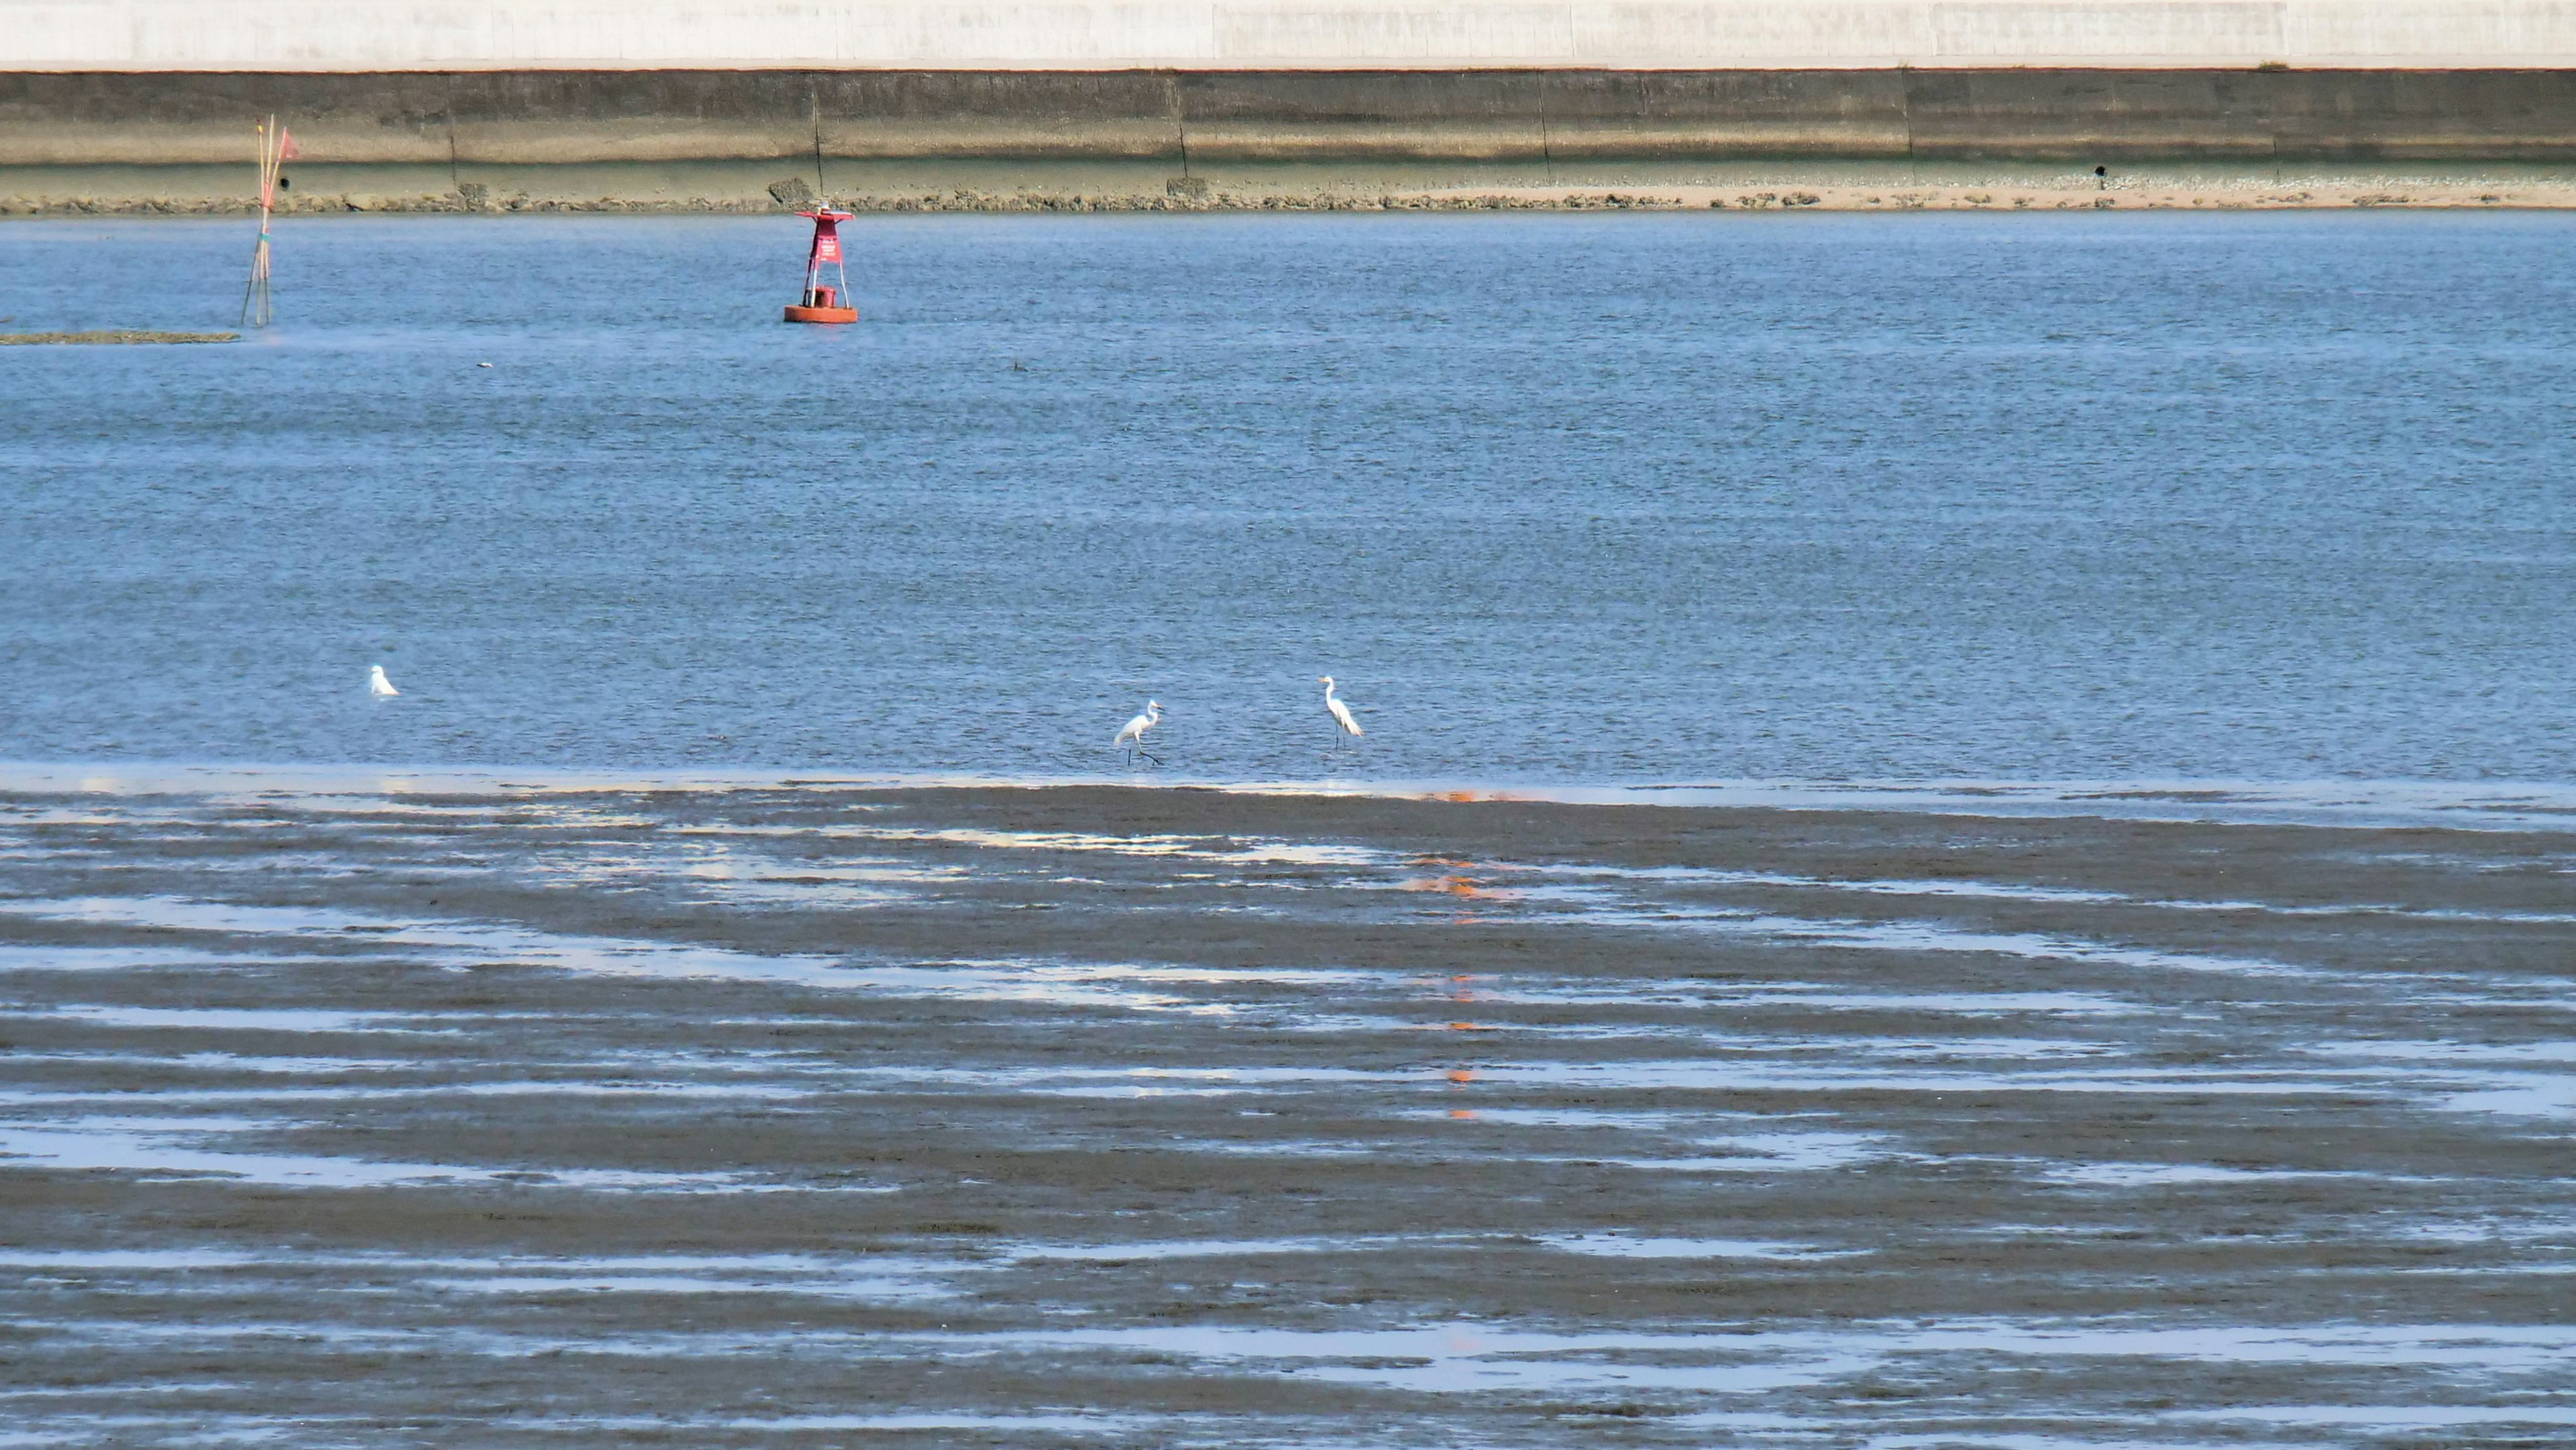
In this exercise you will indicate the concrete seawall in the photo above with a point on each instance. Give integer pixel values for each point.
(527, 118)
(115, 140)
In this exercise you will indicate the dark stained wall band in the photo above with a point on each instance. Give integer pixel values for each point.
(539, 117)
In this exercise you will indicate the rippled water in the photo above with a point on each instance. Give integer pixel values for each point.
(1576, 498)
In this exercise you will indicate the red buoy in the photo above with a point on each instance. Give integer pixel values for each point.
(824, 304)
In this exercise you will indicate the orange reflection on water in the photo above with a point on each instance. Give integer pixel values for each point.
(1461, 992)
(1452, 880)
(1453, 877)
(1459, 989)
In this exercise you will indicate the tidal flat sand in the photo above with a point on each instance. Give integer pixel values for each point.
(852, 1115)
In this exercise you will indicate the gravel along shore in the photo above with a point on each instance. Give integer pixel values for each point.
(742, 187)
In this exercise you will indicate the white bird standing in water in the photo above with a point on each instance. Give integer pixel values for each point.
(1341, 712)
(378, 685)
(1134, 733)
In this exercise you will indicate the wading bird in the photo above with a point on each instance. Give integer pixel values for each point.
(378, 685)
(1134, 733)
(1341, 712)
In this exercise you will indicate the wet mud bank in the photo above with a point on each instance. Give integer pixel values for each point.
(1101, 1115)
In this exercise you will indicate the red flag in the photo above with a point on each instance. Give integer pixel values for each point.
(286, 145)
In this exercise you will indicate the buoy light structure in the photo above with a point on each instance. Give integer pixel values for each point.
(821, 303)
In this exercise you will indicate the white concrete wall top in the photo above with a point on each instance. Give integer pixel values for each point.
(425, 35)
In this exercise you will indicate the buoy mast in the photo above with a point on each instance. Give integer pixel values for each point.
(822, 303)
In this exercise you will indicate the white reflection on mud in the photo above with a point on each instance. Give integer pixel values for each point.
(175, 1148)
(1472, 1356)
(117, 959)
(594, 1281)
(2016, 891)
(1123, 986)
(882, 1277)
(1624, 1246)
(2390, 1417)
(436, 940)
(1813, 1152)
(504, 1088)
(1204, 1249)
(2147, 1175)
(1720, 1075)
(228, 1019)
(999, 1424)
(1203, 848)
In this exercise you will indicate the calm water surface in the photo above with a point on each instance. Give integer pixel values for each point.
(1616, 498)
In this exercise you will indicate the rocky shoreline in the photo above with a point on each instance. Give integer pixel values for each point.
(1184, 197)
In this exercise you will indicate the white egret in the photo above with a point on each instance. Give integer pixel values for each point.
(1341, 712)
(378, 685)
(1134, 733)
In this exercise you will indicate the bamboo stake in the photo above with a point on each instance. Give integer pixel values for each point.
(256, 311)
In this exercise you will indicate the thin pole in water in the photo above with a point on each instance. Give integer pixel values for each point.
(273, 144)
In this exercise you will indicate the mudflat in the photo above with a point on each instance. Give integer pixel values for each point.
(826, 1114)
(118, 335)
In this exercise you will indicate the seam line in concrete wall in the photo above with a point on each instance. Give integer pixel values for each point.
(814, 106)
(1905, 113)
(1546, 145)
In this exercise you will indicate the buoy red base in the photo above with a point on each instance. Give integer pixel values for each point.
(822, 304)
